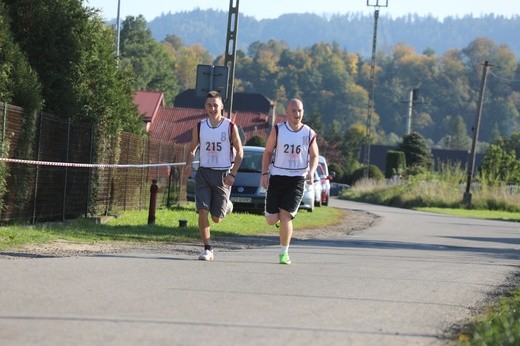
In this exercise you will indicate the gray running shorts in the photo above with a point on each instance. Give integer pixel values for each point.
(210, 192)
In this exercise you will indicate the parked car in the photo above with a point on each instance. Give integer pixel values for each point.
(312, 195)
(246, 193)
(325, 177)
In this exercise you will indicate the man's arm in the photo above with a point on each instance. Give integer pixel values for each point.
(270, 145)
(313, 160)
(191, 150)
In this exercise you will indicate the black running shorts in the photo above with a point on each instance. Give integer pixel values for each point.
(284, 193)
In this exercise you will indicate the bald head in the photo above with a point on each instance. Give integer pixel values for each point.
(294, 103)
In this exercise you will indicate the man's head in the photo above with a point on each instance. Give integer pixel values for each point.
(294, 111)
(214, 104)
(214, 94)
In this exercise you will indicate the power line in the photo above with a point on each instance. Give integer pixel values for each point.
(515, 71)
(503, 78)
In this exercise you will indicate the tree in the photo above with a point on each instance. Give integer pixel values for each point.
(500, 166)
(512, 144)
(351, 145)
(19, 83)
(458, 137)
(71, 50)
(500, 98)
(417, 152)
(149, 59)
(186, 60)
(315, 122)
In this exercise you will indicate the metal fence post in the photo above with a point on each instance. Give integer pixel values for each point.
(153, 202)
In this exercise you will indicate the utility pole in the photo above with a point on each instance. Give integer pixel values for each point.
(376, 4)
(230, 54)
(118, 28)
(471, 166)
(414, 96)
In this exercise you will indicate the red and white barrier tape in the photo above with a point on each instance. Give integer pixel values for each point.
(90, 165)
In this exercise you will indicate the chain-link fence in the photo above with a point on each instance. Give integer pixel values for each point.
(37, 192)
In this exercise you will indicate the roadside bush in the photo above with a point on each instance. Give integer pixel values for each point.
(432, 189)
(500, 166)
(256, 141)
(373, 173)
(340, 173)
(395, 163)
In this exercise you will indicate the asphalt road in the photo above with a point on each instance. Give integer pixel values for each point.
(405, 281)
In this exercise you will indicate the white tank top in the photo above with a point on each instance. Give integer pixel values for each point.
(292, 150)
(216, 151)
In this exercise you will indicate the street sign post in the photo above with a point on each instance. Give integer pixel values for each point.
(210, 78)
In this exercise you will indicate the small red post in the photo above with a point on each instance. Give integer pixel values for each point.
(153, 202)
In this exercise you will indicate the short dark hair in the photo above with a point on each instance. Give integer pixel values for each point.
(213, 94)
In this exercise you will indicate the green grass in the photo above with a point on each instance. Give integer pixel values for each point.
(132, 226)
(499, 326)
(475, 213)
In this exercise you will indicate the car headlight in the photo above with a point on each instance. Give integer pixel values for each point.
(262, 190)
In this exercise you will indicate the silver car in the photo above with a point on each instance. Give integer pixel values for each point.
(312, 194)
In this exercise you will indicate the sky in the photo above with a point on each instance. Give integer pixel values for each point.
(261, 9)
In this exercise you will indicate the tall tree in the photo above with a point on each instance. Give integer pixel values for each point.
(314, 121)
(19, 83)
(500, 98)
(149, 59)
(72, 51)
(186, 60)
(457, 137)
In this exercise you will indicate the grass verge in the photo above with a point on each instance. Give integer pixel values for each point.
(498, 326)
(475, 213)
(132, 226)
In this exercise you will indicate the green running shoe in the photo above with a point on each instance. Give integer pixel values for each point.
(284, 258)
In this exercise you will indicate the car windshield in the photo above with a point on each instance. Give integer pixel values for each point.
(252, 162)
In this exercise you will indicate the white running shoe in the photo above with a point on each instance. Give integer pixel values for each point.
(206, 255)
(229, 209)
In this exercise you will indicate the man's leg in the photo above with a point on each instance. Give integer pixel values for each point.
(204, 230)
(286, 227)
(286, 230)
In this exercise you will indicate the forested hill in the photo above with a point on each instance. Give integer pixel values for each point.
(353, 32)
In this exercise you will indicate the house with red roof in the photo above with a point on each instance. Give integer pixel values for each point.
(253, 113)
(148, 104)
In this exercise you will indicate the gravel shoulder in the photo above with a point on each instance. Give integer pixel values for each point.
(354, 221)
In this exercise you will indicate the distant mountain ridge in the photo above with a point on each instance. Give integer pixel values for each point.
(353, 32)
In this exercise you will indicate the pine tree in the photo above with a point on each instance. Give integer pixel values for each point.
(459, 135)
(417, 152)
(315, 121)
